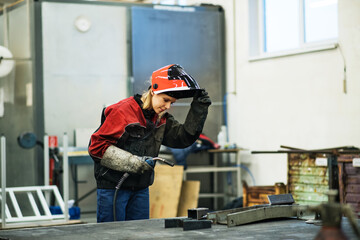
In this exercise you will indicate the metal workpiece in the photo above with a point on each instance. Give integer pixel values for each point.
(262, 213)
(239, 216)
(195, 220)
(193, 224)
(280, 199)
(187, 223)
(220, 217)
(197, 213)
(174, 222)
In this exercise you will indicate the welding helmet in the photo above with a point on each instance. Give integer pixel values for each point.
(174, 81)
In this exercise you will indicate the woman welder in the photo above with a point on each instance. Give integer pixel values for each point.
(130, 135)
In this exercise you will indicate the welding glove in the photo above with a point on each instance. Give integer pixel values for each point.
(120, 160)
(202, 97)
(196, 117)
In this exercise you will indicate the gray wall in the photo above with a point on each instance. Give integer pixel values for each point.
(83, 71)
(192, 37)
(18, 105)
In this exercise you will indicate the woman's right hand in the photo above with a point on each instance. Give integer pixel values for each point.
(120, 160)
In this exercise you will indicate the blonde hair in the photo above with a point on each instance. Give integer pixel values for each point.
(146, 98)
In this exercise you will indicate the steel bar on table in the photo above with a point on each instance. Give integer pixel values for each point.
(220, 217)
(194, 224)
(270, 212)
(281, 199)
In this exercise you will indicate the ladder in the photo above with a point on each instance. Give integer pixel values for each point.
(36, 195)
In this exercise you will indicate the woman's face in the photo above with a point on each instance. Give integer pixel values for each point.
(161, 102)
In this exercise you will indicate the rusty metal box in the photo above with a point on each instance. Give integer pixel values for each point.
(310, 176)
(349, 180)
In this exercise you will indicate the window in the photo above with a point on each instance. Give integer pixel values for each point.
(320, 20)
(282, 27)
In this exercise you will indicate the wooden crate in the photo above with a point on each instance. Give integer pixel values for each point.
(257, 195)
(308, 179)
(349, 181)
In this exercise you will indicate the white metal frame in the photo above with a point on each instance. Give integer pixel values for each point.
(30, 191)
(43, 193)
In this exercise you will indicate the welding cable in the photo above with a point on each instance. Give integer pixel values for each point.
(122, 179)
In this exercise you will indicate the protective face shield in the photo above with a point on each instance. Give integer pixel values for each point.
(174, 81)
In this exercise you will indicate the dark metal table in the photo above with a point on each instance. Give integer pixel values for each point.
(154, 229)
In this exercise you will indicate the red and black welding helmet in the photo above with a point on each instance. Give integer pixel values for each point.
(174, 81)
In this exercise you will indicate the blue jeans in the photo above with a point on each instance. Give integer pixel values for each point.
(130, 205)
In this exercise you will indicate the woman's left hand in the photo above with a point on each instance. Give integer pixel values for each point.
(202, 97)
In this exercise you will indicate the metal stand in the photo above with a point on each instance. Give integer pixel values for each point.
(41, 196)
(215, 168)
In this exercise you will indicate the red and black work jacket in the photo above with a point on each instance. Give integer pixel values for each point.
(127, 126)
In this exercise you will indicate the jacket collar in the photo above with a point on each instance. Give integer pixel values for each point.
(148, 114)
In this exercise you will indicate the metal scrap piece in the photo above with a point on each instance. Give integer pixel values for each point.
(187, 223)
(174, 222)
(280, 199)
(193, 224)
(220, 217)
(197, 213)
(263, 213)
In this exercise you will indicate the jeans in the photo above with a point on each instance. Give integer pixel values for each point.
(130, 205)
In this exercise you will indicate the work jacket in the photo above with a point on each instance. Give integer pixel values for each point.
(141, 132)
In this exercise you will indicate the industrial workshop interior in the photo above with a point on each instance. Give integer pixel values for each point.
(186, 119)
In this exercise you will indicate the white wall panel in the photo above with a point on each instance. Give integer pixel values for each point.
(83, 71)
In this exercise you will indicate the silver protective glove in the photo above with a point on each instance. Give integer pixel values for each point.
(120, 160)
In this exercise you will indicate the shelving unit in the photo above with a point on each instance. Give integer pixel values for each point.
(215, 168)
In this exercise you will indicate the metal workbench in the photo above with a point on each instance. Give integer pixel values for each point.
(154, 229)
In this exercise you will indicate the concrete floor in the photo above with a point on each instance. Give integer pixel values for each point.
(154, 229)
